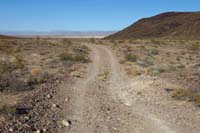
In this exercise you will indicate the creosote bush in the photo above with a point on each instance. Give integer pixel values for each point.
(74, 57)
(131, 57)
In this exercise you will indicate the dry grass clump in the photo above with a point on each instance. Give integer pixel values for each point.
(131, 57)
(198, 71)
(6, 108)
(7, 67)
(135, 71)
(155, 41)
(81, 49)
(67, 41)
(92, 40)
(194, 47)
(146, 61)
(36, 71)
(78, 57)
(75, 53)
(104, 76)
(39, 77)
(183, 94)
(65, 56)
(19, 62)
(153, 52)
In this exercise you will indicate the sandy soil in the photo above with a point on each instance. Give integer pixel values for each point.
(107, 100)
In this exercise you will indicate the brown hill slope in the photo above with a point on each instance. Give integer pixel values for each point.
(174, 25)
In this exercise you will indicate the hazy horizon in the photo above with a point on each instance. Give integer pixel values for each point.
(77, 15)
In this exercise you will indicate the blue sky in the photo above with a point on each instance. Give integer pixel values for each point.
(83, 15)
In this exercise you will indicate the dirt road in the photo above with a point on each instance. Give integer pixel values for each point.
(102, 101)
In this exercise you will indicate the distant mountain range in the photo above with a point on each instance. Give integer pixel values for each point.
(7, 37)
(57, 33)
(170, 25)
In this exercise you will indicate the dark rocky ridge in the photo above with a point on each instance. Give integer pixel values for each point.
(170, 25)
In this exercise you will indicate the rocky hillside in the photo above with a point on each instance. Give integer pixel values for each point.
(172, 25)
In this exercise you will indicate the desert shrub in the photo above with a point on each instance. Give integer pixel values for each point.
(14, 82)
(7, 67)
(153, 52)
(183, 53)
(6, 108)
(131, 41)
(155, 41)
(182, 94)
(134, 71)
(142, 47)
(74, 57)
(36, 71)
(100, 42)
(198, 71)
(67, 41)
(92, 40)
(81, 58)
(66, 56)
(104, 76)
(38, 78)
(194, 47)
(131, 57)
(19, 62)
(127, 49)
(161, 68)
(81, 49)
(121, 41)
(113, 41)
(180, 66)
(146, 62)
(8, 50)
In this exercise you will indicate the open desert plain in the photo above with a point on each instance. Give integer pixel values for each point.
(141, 79)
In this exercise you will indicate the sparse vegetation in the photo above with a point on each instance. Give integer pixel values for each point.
(146, 62)
(153, 52)
(183, 94)
(6, 108)
(135, 71)
(131, 57)
(161, 68)
(74, 57)
(29, 73)
(194, 47)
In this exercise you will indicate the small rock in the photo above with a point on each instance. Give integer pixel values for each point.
(38, 131)
(44, 130)
(55, 105)
(58, 81)
(11, 130)
(26, 118)
(67, 99)
(21, 110)
(169, 89)
(49, 96)
(66, 123)
(76, 74)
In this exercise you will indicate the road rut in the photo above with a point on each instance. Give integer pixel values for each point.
(98, 103)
